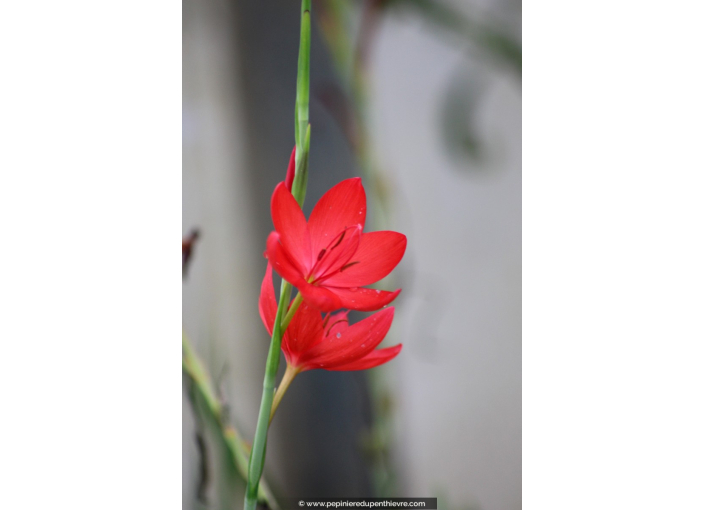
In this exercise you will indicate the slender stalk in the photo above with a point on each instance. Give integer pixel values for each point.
(289, 375)
(302, 132)
(300, 181)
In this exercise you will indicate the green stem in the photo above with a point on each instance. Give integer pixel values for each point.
(302, 132)
(300, 181)
(289, 375)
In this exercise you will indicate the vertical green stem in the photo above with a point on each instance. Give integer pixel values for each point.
(302, 132)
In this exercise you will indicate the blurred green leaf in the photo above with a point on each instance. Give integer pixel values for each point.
(459, 110)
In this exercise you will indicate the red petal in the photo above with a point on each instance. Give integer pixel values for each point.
(377, 255)
(364, 300)
(305, 329)
(291, 172)
(267, 301)
(291, 225)
(318, 297)
(356, 342)
(281, 261)
(344, 205)
(371, 360)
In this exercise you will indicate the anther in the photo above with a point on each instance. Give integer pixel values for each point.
(333, 325)
(339, 240)
(349, 265)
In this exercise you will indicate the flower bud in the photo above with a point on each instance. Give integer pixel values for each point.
(291, 172)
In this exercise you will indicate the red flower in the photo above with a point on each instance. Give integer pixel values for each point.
(329, 342)
(328, 258)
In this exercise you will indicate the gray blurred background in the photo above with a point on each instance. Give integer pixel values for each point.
(443, 123)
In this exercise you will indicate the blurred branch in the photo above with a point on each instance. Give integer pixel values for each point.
(203, 469)
(483, 36)
(202, 390)
(349, 105)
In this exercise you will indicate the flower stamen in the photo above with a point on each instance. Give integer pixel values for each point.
(349, 265)
(340, 240)
(324, 257)
(333, 325)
